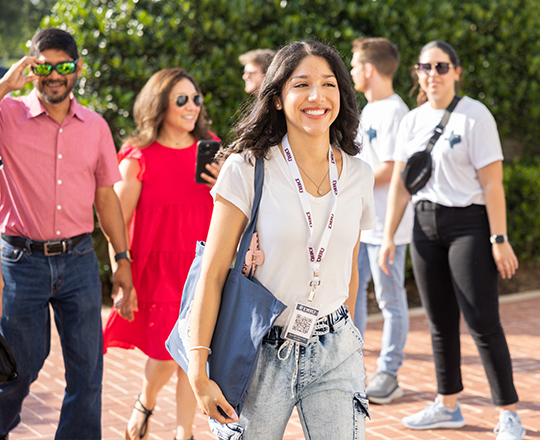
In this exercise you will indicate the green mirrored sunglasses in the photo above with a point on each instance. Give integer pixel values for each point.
(65, 68)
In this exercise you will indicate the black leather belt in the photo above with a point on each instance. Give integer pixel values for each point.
(51, 247)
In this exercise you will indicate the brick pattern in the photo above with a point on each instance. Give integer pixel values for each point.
(123, 370)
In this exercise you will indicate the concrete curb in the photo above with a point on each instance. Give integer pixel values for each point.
(512, 297)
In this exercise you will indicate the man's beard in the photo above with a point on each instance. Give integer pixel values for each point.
(55, 98)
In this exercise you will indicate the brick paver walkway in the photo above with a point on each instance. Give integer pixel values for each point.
(123, 368)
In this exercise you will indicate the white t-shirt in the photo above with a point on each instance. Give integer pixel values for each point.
(470, 141)
(379, 124)
(283, 231)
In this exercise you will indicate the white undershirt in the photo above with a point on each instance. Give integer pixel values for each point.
(284, 234)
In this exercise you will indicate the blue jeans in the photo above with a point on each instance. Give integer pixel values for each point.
(324, 380)
(70, 283)
(392, 300)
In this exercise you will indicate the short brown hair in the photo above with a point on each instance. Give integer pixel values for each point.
(380, 52)
(152, 103)
(261, 57)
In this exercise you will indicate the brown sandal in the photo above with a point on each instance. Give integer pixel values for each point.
(144, 426)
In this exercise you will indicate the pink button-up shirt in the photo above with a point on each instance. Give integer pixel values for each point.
(51, 171)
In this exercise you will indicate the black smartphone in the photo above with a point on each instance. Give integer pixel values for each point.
(206, 152)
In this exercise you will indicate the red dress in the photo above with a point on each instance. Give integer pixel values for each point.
(172, 214)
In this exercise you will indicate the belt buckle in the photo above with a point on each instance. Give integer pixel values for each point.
(53, 243)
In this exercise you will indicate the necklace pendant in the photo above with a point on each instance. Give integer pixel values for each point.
(320, 192)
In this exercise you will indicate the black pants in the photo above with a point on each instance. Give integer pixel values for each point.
(454, 270)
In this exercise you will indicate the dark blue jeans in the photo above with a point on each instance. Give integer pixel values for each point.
(455, 271)
(70, 283)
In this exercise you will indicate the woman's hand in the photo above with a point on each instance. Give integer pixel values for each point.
(398, 199)
(213, 173)
(505, 259)
(211, 400)
(386, 255)
(228, 223)
(491, 179)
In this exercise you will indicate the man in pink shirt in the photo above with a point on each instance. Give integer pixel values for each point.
(59, 160)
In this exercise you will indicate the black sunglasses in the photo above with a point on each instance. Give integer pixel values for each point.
(65, 68)
(182, 100)
(425, 68)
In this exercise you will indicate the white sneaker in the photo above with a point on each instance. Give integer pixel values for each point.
(509, 427)
(435, 416)
(383, 388)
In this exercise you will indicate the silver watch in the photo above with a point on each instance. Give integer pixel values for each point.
(498, 239)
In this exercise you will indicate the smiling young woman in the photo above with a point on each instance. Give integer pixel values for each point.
(311, 101)
(303, 125)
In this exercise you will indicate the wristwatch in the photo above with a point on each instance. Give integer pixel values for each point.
(498, 239)
(125, 254)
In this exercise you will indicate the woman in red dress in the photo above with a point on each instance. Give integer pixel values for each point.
(167, 212)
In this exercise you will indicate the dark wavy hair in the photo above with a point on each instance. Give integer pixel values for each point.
(421, 97)
(152, 103)
(263, 126)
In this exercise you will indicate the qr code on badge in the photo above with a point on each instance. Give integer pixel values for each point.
(301, 324)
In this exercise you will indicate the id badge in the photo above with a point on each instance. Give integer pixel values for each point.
(301, 323)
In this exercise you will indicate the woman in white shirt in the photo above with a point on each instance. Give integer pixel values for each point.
(316, 198)
(459, 239)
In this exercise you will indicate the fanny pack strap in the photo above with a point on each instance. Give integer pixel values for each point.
(439, 128)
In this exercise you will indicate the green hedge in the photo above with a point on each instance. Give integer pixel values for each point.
(125, 42)
(522, 185)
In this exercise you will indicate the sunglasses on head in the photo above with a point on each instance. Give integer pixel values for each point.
(65, 68)
(425, 68)
(182, 100)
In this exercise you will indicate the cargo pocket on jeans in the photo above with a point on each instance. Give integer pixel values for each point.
(232, 431)
(361, 410)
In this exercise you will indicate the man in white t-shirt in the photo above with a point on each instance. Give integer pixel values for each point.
(374, 63)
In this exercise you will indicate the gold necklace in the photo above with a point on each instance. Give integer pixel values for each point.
(319, 190)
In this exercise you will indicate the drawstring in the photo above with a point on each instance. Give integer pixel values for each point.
(288, 346)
